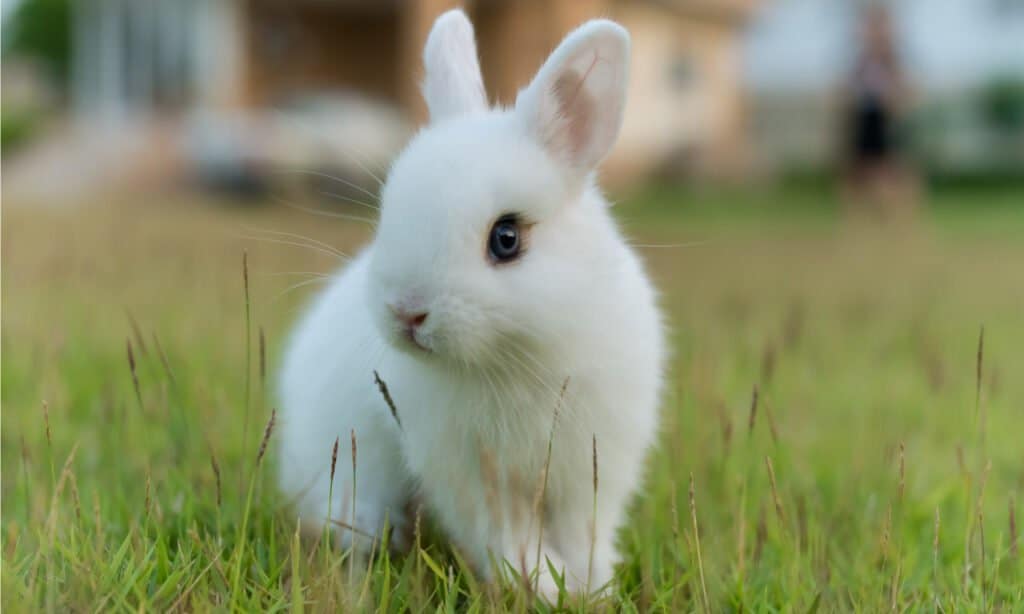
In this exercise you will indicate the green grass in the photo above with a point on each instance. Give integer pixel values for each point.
(892, 488)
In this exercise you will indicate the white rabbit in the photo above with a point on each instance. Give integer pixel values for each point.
(496, 293)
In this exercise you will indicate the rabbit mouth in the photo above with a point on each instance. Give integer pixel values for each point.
(410, 338)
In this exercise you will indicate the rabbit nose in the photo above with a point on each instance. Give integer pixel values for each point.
(411, 319)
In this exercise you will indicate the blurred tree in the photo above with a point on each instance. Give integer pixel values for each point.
(41, 29)
(1002, 104)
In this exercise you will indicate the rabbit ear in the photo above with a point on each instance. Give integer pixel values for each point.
(574, 104)
(452, 85)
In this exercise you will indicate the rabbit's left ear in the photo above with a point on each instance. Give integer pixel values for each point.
(452, 85)
(574, 104)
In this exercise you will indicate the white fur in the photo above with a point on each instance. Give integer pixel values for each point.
(453, 84)
(477, 410)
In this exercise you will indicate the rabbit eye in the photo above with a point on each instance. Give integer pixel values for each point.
(505, 242)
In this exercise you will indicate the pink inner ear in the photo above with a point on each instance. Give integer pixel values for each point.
(576, 112)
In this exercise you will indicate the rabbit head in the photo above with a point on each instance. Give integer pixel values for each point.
(492, 232)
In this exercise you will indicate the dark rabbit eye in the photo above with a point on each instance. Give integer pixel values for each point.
(505, 242)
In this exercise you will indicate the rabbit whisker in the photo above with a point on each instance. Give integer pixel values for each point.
(298, 171)
(331, 253)
(309, 240)
(334, 214)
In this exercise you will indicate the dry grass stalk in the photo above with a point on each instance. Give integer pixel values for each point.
(263, 358)
(981, 564)
(801, 520)
(384, 392)
(886, 531)
(1013, 529)
(248, 355)
(46, 424)
(674, 506)
(726, 423)
(753, 412)
(978, 507)
(984, 482)
(741, 536)
(894, 589)
(903, 466)
(762, 533)
(137, 332)
(131, 367)
(97, 517)
(216, 476)
(696, 542)
(267, 432)
(489, 471)
(978, 369)
(349, 527)
(148, 500)
(352, 520)
(538, 496)
(593, 518)
(935, 547)
(771, 423)
(75, 498)
(163, 358)
(334, 458)
(352, 435)
(775, 491)
(59, 489)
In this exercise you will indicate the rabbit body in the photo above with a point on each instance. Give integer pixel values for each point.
(514, 378)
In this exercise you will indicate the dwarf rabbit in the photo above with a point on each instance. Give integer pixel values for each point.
(515, 328)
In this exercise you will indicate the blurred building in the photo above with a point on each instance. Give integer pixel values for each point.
(957, 55)
(328, 64)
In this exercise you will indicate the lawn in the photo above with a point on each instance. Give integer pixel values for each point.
(834, 438)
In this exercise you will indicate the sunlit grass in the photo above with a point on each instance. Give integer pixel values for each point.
(869, 473)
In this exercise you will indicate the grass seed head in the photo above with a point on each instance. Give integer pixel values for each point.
(245, 273)
(46, 423)
(216, 476)
(263, 358)
(978, 368)
(266, 435)
(903, 467)
(353, 436)
(137, 332)
(384, 392)
(131, 367)
(334, 457)
(753, 411)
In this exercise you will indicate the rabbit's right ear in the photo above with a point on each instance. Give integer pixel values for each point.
(574, 105)
(453, 84)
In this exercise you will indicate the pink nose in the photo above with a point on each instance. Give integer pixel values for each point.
(411, 320)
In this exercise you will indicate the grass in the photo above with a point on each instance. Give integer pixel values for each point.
(834, 437)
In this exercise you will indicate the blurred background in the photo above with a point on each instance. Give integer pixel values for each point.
(115, 95)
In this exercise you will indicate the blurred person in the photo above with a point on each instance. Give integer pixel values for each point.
(877, 178)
